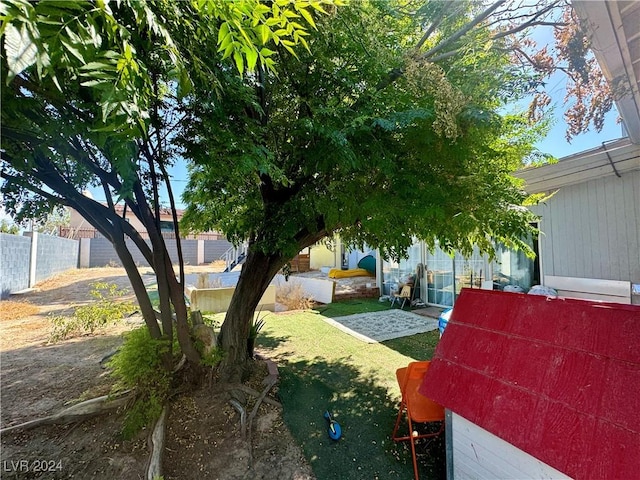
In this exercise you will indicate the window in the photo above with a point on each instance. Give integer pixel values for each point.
(166, 226)
(515, 269)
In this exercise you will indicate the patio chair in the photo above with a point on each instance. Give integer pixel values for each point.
(418, 408)
(405, 294)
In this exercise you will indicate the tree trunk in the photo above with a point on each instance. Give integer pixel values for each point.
(257, 272)
(139, 289)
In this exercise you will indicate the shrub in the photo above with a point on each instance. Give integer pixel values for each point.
(292, 296)
(138, 366)
(88, 318)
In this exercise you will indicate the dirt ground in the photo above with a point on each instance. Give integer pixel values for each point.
(204, 437)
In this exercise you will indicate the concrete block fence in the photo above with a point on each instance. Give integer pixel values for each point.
(98, 252)
(28, 259)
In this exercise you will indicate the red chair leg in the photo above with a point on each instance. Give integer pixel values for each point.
(413, 439)
(398, 418)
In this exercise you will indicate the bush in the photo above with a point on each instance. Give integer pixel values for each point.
(88, 318)
(292, 296)
(138, 366)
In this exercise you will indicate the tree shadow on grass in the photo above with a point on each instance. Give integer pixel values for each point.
(366, 413)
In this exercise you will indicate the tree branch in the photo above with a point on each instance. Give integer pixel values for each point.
(463, 31)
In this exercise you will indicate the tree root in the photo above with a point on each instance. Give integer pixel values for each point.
(271, 382)
(156, 445)
(253, 393)
(243, 416)
(77, 412)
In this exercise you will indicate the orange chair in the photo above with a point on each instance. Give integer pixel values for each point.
(419, 408)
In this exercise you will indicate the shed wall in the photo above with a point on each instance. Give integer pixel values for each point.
(592, 229)
(478, 454)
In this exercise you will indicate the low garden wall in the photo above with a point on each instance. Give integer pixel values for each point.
(218, 299)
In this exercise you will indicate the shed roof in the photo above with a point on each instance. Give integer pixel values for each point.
(559, 379)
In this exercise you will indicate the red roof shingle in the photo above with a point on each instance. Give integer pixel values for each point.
(557, 378)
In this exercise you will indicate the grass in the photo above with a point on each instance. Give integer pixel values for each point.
(323, 369)
(350, 307)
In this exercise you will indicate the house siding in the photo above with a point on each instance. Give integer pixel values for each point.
(592, 229)
(478, 454)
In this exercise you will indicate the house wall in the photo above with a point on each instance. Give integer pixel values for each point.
(479, 454)
(77, 221)
(320, 256)
(592, 229)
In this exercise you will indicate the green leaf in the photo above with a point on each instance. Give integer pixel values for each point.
(226, 41)
(239, 59)
(252, 58)
(307, 16)
(228, 51)
(72, 49)
(265, 33)
(223, 34)
(21, 51)
(260, 10)
(93, 83)
(98, 66)
(265, 52)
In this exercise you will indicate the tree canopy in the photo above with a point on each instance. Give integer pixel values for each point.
(327, 146)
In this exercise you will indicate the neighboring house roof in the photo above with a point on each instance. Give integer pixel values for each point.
(559, 379)
(615, 41)
(613, 158)
(119, 208)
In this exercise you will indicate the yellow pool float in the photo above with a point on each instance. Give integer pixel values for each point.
(353, 272)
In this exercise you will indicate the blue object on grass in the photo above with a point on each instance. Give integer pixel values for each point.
(335, 432)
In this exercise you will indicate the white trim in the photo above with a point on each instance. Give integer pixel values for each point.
(613, 31)
(583, 167)
(616, 291)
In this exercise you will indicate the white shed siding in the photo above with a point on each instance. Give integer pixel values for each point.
(478, 454)
(592, 229)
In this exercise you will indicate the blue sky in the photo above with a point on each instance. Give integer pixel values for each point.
(556, 145)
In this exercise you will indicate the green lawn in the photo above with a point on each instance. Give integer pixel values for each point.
(323, 368)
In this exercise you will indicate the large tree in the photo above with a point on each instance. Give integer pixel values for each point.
(391, 128)
(92, 98)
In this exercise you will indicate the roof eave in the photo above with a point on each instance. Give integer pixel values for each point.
(615, 43)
